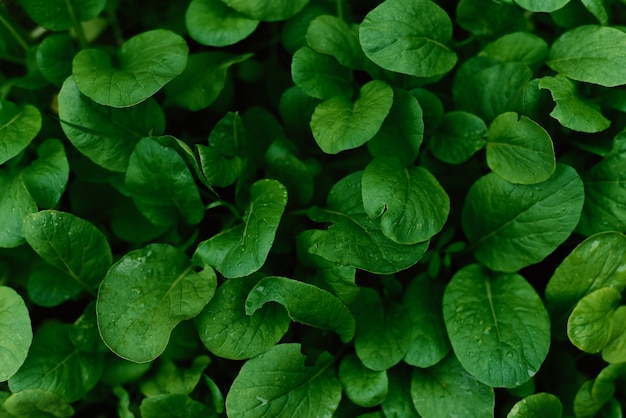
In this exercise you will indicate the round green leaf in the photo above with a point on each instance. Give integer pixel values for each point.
(16, 330)
(519, 150)
(593, 54)
(459, 136)
(332, 36)
(15, 204)
(267, 10)
(59, 15)
(339, 124)
(18, 127)
(38, 403)
(145, 295)
(411, 204)
(54, 58)
(221, 161)
(537, 405)
(521, 47)
(49, 286)
(512, 226)
(47, 176)
(615, 351)
(589, 326)
(228, 332)
(497, 324)
(320, 76)
(363, 386)
(144, 64)
(213, 23)
(542, 5)
(281, 383)
(107, 136)
(408, 37)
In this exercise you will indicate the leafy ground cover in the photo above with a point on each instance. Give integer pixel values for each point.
(312, 208)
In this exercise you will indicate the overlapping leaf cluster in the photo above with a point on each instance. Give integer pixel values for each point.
(312, 208)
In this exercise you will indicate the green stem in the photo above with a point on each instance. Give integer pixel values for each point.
(115, 26)
(80, 33)
(339, 9)
(20, 40)
(219, 203)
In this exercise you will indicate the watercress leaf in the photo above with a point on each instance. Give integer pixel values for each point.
(537, 405)
(305, 303)
(319, 75)
(221, 161)
(595, 393)
(446, 389)
(203, 79)
(16, 330)
(460, 135)
(293, 34)
(107, 136)
(48, 286)
(598, 9)
(339, 124)
(242, 250)
(519, 150)
(54, 58)
(488, 19)
(144, 63)
(512, 226)
(599, 261)
(487, 87)
(605, 194)
(398, 402)
(411, 204)
(402, 132)
(213, 23)
(18, 127)
(15, 204)
(361, 385)
(281, 382)
(267, 10)
(615, 351)
(161, 184)
(497, 324)
(47, 176)
(541, 5)
(168, 378)
(70, 244)
(145, 295)
(408, 37)
(55, 365)
(383, 331)
(589, 325)
(591, 54)
(58, 15)
(429, 340)
(284, 165)
(228, 332)
(332, 36)
(172, 405)
(523, 47)
(37, 403)
(571, 110)
(354, 239)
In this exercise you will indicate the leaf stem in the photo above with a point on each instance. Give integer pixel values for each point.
(115, 25)
(229, 206)
(339, 9)
(80, 33)
(20, 40)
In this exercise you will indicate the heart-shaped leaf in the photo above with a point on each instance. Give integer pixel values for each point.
(47, 176)
(590, 324)
(460, 135)
(332, 36)
(213, 23)
(363, 386)
(320, 76)
(221, 160)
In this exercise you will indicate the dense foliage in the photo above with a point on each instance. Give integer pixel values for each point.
(312, 208)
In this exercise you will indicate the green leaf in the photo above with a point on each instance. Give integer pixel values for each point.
(339, 124)
(284, 165)
(58, 15)
(354, 239)
(228, 332)
(460, 135)
(520, 150)
(242, 250)
(408, 37)
(70, 244)
(47, 176)
(595, 393)
(490, 19)
(402, 132)
(173, 405)
(571, 110)
(37, 403)
(592, 54)
(598, 9)
(16, 330)
(497, 324)
(511, 226)
(398, 402)
(161, 184)
(145, 295)
(55, 365)
(305, 303)
(487, 87)
(220, 160)
(537, 405)
(280, 382)
(107, 136)
(429, 339)
(361, 385)
(541, 5)
(411, 204)
(446, 390)
(145, 63)
(332, 36)
(15, 204)
(171, 379)
(203, 79)
(589, 325)
(383, 331)
(213, 23)
(267, 10)
(54, 58)
(48, 286)
(605, 192)
(320, 76)
(523, 47)
(18, 127)
(615, 350)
